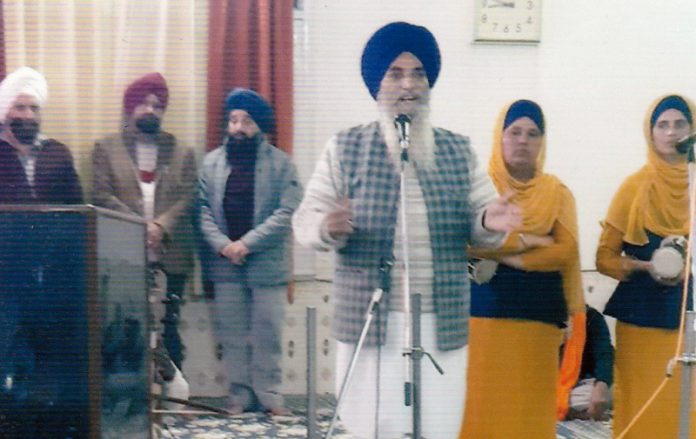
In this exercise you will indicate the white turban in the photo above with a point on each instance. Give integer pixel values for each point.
(24, 80)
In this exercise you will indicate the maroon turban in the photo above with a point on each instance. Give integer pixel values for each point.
(152, 83)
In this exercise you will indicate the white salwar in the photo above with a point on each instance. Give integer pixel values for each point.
(443, 396)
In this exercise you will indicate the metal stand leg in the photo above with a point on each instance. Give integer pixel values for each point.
(688, 359)
(415, 355)
(371, 310)
(311, 372)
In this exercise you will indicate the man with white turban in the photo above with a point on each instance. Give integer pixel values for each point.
(35, 339)
(351, 205)
(33, 168)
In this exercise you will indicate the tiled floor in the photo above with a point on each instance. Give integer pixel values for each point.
(259, 425)
(252, 425)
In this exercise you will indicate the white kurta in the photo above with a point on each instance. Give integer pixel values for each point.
(370, 400)
(369, 397)
(146, 155)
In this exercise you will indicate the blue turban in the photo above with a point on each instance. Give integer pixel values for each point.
(525, 108)
(671, 102)
(391, 41)
(252, 103)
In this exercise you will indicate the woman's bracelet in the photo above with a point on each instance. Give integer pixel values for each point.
(523, 240)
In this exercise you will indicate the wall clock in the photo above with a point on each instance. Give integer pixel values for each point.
(508, 21)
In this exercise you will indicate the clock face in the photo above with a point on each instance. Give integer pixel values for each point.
(508, 20)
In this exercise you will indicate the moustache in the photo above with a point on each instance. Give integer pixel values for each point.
(239, 137)
(148, 123)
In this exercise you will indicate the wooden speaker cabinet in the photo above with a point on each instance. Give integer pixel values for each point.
(74, 361)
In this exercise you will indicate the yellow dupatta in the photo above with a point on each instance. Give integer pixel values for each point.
(655, 198)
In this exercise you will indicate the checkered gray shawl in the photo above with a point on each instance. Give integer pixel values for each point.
(372, 183)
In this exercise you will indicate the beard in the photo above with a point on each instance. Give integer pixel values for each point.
(25, 131)
(148, 124)
(422, 146)
(241, 149)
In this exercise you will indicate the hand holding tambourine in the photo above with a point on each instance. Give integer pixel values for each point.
(668, 261)
(482, 270)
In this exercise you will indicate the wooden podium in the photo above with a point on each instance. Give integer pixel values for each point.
(74, 361)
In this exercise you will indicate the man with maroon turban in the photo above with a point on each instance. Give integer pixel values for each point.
(144, 171)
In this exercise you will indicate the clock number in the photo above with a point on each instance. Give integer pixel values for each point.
(529, 20)
(518, 28)
(506, 29)
(530, 5)
(484, 18)
(495, 26)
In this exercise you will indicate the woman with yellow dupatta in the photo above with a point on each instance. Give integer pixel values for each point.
(650, 205)
(516, 316)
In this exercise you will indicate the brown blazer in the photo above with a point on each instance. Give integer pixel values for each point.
(116, 186)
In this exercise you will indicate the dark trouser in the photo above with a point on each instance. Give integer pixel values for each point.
(170, 336)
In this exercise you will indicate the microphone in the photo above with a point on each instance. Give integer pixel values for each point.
(403, 126)
(685, 144)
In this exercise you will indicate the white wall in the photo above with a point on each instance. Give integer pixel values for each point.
(599, 66)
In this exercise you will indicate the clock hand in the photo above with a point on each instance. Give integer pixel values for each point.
(502, 4)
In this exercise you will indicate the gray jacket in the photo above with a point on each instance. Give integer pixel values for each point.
(277, 193)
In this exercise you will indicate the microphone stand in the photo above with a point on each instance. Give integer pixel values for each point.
(402, 123)
(688, 357)
(372, 309)
(413, 351)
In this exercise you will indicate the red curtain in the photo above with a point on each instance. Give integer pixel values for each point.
(3, 66)
(250, 45)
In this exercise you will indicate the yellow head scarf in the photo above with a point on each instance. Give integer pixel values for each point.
(657, 198)
(540, 200)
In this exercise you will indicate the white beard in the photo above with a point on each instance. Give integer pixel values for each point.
(422, 147)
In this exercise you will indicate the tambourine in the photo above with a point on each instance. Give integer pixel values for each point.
(482, 270)
(669, 259)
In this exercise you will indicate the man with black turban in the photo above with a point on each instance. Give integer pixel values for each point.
(144, 171)
(352, 205)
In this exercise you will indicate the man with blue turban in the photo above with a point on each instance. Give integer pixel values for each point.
(248, 190)
(352, 205)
